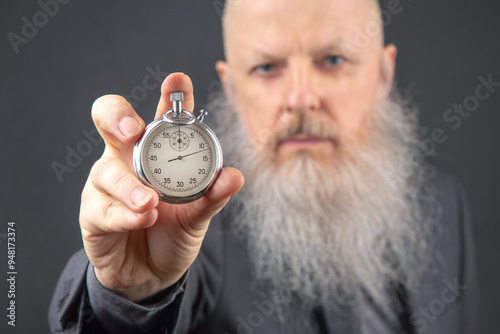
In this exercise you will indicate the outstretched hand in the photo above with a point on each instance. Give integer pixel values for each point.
(137, 244)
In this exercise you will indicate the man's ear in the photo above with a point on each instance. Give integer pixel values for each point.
(389, 54)
(223, 70)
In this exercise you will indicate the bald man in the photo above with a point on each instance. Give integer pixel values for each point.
(340, 228)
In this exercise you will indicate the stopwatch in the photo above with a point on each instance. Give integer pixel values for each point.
(178, 155)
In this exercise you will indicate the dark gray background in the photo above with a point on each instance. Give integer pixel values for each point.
(90, 48)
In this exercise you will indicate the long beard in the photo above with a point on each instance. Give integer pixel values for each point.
(332, 234)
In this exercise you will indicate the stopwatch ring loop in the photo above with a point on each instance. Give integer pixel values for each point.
(185, 117)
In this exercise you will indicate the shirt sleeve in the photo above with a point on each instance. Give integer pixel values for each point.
(82, 305)
(118, 315)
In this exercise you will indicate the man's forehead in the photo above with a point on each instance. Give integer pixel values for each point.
(297, 9)
(326, 22)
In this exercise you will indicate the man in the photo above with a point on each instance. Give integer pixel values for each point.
(339, 229)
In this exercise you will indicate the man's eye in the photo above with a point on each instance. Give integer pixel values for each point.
(333, 60)
(265, 68)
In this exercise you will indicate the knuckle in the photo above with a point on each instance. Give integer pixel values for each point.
(101, 170)
(89, 217)
(85, 196)
(124, 183)
(99, 167)
(109, 176)
(108, 211)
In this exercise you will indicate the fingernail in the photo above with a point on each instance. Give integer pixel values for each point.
(140, 197)
(142, 214)
(129, 126)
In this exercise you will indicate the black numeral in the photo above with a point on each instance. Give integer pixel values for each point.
(202, 171)
(205, 158)
(153, 158)
(157, 171)
(166, 134)
(192, 180)
(167, 180)
(156, 145)
(192, 134)
(180, 184)
(202, 145)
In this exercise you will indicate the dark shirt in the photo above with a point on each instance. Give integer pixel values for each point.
(218, 294)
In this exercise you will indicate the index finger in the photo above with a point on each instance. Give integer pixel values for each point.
(175, 82)
(118, 124)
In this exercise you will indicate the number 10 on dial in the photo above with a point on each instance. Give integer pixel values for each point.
(178, 155)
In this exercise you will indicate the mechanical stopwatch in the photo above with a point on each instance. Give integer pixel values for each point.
(178, 155)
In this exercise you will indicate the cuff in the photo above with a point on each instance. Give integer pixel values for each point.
(119, 315)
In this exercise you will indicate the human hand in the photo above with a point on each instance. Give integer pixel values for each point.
(137, 244)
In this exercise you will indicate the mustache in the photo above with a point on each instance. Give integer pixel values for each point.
(303, 125)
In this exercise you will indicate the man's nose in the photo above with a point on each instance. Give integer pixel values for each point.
(300, 92)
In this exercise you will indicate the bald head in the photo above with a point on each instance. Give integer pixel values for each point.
(353, 18)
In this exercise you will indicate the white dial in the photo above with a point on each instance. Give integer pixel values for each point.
(178, 172)
(178, 155)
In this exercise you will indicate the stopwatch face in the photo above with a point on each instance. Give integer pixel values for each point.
(180, 161)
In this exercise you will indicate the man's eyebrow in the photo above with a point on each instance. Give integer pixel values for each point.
(261, 51)
(333, 46)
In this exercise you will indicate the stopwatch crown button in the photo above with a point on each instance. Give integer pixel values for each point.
(202, 115)
(177, 96)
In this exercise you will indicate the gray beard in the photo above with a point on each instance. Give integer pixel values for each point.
(335, 234)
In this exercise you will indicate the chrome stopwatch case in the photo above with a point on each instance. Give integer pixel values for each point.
(178, 155)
